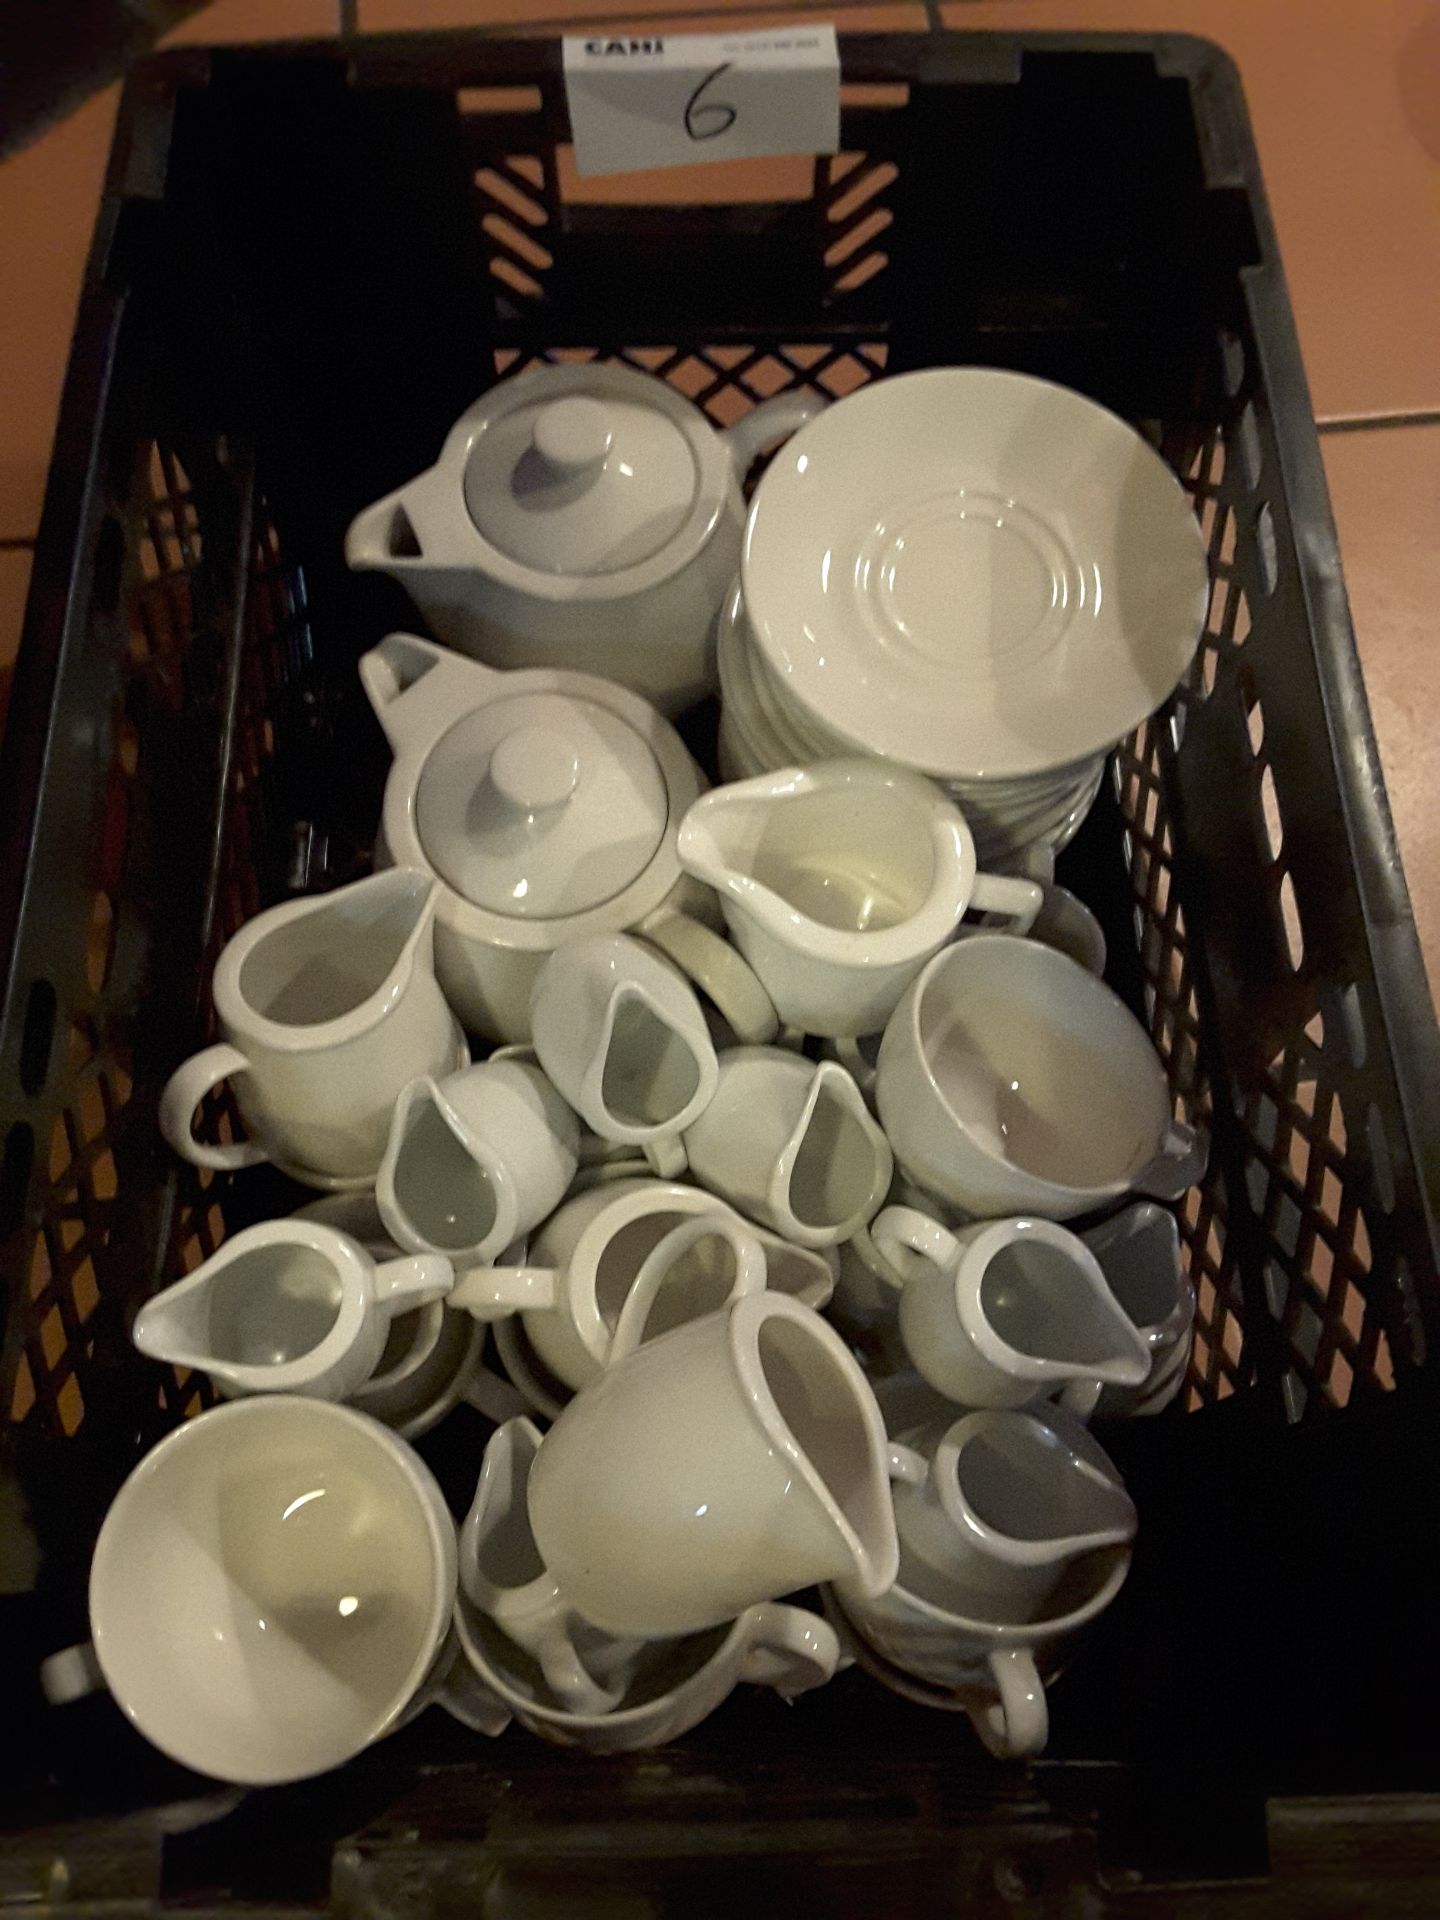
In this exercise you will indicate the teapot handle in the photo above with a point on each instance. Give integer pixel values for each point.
(417, 688)
(772, 420)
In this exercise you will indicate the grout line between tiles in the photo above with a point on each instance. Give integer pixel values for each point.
(551, 23)
(1418, 417)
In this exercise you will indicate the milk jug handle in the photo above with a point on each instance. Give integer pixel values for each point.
(185, 1089)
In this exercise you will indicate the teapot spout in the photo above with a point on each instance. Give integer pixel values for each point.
(382, 537)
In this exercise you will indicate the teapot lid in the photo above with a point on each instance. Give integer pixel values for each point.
(568, 480)
(540, 806)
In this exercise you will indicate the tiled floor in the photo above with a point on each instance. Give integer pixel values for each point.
(1346, 102)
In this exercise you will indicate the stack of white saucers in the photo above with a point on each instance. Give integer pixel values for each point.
(759, 733)
(975, 574)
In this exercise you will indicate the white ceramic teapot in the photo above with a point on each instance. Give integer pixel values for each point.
(579, 516)
(547, 805)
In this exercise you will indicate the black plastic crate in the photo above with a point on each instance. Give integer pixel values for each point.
(308, 261)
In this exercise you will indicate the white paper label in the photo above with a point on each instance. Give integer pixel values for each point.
(668, 100)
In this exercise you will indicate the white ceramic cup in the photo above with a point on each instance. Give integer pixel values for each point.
(838, 880)
(674, 1685)
(622, 1036)
(790, 1142)
(503, 1575)
(271, 1589)
(992, 1509)
(737, 1459)
(994, 1672)
(327, 1006)
(1010, 1080)
(585, 1260)
(289, 1306)
(476, 1161)
(1006, 1311)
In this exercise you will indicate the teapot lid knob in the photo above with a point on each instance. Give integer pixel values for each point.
(573, 433)
(535, 769)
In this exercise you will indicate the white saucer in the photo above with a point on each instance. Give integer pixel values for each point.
(973, 572)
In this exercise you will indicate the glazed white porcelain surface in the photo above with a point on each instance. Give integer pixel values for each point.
(585, 1261)
(503, 1576)
(288, 1306)
(623, 1037)
(992, 1508)
(475, 1161)
(735, 1460)
(675, 1683)
(543, 1395)
(701, 1266)
(1067, 924)
(1011, 1080)
(270, 1588)
(1139, 1254)
(433, 1357)
(973, 572)
(327, 1005)
(581, 517)
(761, 730)
(1002, 1312)
(994, 1672)
(838, 881)
(791, 1142)
(992, 1667)
(581, 816)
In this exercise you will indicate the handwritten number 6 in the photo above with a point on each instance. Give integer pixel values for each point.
(719, 116)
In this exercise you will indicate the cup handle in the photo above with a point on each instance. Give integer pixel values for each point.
(750, 1273)
(401, 1285)
(1016, 1726)
(905, 1464)
(494, 1293)
(900, 1233)
(788, 1649)
(184, 1091)
(666, 1155)
(1017, 901)
(772, 420)
(1179, 1163)
(71, 1674)
(722, 975)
